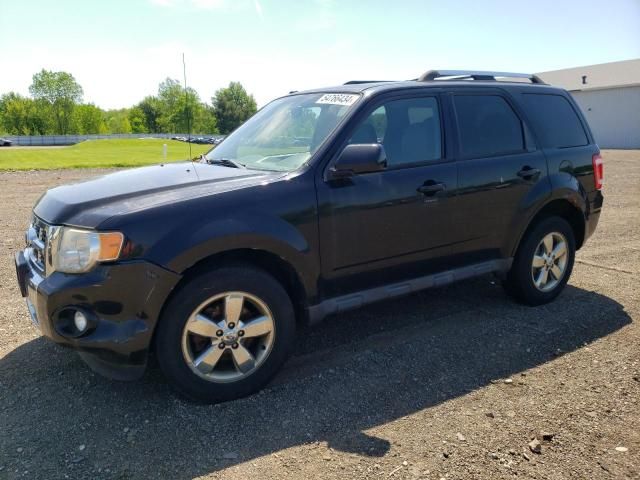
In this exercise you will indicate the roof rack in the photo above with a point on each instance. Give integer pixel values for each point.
(475, 75)
(357, 82)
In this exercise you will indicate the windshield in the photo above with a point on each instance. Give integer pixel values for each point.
(284, 134)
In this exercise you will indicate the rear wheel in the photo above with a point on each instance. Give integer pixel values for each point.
(225, 334)
(543, 262)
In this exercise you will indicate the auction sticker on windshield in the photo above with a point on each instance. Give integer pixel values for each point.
(338, 98)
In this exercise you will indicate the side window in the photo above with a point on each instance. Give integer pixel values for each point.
(487, 126)
(409, 130)
(555, 120)
(379, 122)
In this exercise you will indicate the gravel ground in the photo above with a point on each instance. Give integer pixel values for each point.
(451, 383)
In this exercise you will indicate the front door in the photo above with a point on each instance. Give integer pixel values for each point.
(395, 222)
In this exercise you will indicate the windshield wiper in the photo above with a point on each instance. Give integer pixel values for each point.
(225, 162)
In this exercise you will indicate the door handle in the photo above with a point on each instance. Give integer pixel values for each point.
(528, 172)
(430, 188)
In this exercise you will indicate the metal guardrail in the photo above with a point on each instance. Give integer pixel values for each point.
(48, 140)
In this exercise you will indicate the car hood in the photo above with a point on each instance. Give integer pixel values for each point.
(89, 203)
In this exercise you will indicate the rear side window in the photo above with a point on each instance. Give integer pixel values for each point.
(487, 126)
(555, 120)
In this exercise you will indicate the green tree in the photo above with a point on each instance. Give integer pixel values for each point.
(118, 121)
(181, 110)
(152, 110)
(191, 114)
(137, 120)
(204, 120)
(61, 91)
(169, 92)
(232, 106)
(173, 111)
(172, 108)
(89, 119)
(23, 116)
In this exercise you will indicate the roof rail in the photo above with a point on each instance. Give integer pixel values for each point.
(357, 82)
(475, 75)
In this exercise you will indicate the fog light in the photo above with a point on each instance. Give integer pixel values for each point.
(80, 321)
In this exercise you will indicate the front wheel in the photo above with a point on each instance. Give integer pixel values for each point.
(225, 334)
(543, 262)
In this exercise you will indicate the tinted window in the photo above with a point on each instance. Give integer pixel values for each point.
(487, 126)
(555, 120)
(408, 129)
(379, 122)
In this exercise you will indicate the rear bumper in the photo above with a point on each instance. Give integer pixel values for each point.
(592, 216)
(124, 301)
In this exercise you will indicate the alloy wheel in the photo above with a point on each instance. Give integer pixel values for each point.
(228, 337)
(549, 263)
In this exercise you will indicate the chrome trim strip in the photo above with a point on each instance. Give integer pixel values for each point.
(42, 245)
(53, 241)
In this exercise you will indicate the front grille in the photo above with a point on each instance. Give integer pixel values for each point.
(37, 240)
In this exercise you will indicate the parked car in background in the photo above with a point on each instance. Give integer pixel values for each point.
(199, 140)
(323, 201)
(5, 142)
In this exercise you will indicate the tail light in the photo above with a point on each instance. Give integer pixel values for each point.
(598, 170)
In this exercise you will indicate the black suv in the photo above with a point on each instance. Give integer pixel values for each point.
(323, 201)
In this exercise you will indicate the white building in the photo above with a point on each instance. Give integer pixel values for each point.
(609, 96)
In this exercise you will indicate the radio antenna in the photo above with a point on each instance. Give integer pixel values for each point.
(186, 102)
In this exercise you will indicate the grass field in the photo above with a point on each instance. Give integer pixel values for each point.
(97, 153)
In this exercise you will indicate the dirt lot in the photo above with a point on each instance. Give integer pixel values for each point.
(451, 383)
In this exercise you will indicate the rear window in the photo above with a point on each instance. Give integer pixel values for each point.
(555, 120)
(488, 126)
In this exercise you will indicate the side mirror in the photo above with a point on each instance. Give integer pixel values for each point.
(359, 158)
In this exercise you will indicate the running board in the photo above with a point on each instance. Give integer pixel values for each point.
(365, 297)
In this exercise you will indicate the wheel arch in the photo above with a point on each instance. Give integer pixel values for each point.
(563, 208)
(264, 260)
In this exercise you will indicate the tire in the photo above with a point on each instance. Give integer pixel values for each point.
(524, 281)
(194, 324)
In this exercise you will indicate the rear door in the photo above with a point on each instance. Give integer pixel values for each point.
(500, 172)
(563, 138)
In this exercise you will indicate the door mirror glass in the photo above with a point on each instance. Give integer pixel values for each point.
(359, 158)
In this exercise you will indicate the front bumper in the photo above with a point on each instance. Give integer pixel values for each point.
(124, 298)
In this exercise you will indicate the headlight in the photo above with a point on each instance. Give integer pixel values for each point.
(79, 250)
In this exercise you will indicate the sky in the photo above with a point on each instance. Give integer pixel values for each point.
(120, 50)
